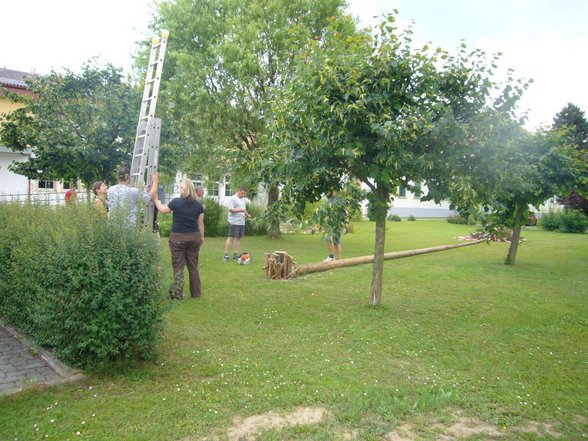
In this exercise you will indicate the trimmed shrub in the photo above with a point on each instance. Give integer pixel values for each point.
(257, 224)
(215, 219)
(566, 221)
(458, 219)
(549, 220)
(86, 287)
(573, 221)
(394, 218)
(411, 218)
(165, 222)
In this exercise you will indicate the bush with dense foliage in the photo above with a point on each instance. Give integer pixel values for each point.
(566, 221)
(215, 218)
(257, 224)
(549, 220)
(573, 221)
(165, 224)
(458, 219)
(394, 218)
(85, 286)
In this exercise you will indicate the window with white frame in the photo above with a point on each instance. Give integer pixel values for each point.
(228, 191)
(214, 189)
(197, 181)
(45, 185)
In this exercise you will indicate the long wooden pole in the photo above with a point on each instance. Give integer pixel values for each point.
(325, 266)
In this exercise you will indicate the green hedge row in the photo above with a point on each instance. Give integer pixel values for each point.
(86, 287)
(566, 221)
(215, 220)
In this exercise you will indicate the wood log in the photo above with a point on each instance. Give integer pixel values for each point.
(287, 267)
(352, 261)
(266, 265)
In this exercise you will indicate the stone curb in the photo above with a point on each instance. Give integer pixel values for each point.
(66, 373)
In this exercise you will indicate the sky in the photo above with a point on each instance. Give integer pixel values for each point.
(545, 40)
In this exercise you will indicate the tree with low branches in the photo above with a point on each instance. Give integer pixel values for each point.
(78, 126)
(379, 110)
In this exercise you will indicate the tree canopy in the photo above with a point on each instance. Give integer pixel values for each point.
(77, 125)
(224, 58)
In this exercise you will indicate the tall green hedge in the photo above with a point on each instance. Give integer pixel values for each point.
(82, 285)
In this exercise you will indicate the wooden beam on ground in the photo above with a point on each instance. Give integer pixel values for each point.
(352, 261)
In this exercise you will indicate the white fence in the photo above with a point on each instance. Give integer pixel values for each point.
(49, 198)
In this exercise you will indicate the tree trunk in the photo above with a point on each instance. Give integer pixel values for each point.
(378, 268)
(273, 230)
(516, 235)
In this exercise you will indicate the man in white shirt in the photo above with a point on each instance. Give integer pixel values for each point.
(122, 197)
(236, 218)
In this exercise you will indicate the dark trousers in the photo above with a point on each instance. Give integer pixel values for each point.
(185, 248)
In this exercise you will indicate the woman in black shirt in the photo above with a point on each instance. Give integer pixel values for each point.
(187, 235)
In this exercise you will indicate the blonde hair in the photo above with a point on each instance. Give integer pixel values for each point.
(188, 191)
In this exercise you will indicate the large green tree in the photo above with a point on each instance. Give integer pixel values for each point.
(573, 119)
(223, 60)
(379, 110)
(77, 125)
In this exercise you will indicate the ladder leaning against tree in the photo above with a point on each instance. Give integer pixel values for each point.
(146, 150)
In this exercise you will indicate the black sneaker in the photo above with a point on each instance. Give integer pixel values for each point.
(226, 258)
(235, 256)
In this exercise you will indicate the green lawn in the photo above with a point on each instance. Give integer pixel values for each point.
(462, 347)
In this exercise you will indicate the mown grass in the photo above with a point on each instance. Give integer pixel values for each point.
(458, 333)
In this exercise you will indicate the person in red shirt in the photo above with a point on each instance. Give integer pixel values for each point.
(71, 196)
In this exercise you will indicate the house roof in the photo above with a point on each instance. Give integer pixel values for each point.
(14, 78)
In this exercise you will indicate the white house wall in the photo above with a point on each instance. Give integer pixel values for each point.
(411, 205)
(11, 183)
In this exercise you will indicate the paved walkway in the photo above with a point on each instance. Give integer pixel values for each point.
(24, 365)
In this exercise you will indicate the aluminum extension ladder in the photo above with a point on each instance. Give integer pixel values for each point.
(146, 150)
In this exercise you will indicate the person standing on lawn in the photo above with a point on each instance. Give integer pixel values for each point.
(236, 218)
(333, 218)
(186, 238)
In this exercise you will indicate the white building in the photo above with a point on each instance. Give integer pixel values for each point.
(407, 204)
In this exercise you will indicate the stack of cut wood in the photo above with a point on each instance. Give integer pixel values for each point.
(278, 265)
